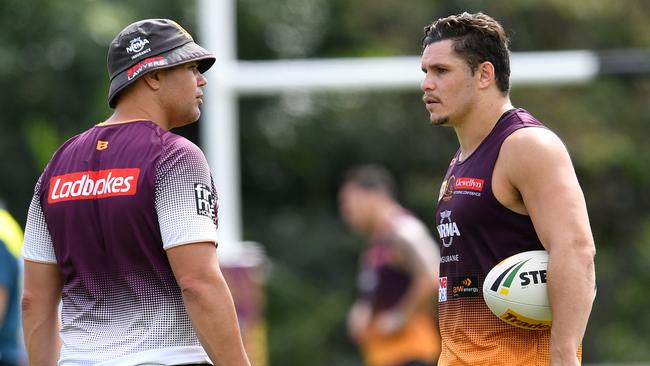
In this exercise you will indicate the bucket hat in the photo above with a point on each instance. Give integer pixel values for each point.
(148, 45)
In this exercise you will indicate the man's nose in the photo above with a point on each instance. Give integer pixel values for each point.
(427, 83)
(201, 80)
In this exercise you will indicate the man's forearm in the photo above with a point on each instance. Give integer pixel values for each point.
(41, 332)
(571, 281)
(211, 309)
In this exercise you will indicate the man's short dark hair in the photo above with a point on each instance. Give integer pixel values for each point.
(477, 38)
(371, 177)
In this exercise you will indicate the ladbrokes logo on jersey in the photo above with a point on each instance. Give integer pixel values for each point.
(90, 185)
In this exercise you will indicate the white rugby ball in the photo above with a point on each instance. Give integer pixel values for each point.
(515, 290)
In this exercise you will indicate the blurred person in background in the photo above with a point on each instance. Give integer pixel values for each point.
(11, 242)
(122, 224)
(510, 188)
(393, 321)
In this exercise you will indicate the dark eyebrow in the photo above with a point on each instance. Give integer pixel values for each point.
(437, 65)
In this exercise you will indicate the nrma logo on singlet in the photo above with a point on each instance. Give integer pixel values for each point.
(447, 229)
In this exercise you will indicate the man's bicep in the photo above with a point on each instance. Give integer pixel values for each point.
(193, 261)
(418, 247)
(42, 281)
(550, 190)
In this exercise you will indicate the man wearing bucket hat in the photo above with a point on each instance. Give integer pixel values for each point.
(122, 225)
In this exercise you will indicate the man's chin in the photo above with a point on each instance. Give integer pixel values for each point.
(439, 120)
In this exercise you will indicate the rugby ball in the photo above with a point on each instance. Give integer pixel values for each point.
(515, 290)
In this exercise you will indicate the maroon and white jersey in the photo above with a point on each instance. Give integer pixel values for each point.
(108, 205)
(476, 232)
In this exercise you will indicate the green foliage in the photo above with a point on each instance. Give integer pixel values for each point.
(296, 146)
(42, 138)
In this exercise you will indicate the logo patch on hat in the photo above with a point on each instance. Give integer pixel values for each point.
(144, 65)
(137, 45)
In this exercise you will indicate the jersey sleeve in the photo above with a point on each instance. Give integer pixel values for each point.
(185, 197)
(37, 245)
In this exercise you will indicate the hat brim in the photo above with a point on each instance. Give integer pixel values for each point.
(189, 52)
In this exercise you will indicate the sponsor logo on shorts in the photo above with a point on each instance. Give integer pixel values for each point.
(145, 64)
(466, 286)
(442, 289)
(93, 185)
(504, 280)
(205, 200)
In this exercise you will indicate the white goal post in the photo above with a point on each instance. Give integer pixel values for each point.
(231, 78)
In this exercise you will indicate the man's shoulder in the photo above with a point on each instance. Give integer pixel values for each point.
(409, 228)
(533, 153)
(177, 151)
(524, 116)
(407, 222)
(176, 144)
(532, 139)
(526, 132)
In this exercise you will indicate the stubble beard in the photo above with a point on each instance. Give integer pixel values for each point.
(440, 121)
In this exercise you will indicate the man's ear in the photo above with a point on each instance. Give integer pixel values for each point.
(486, 74)
(153, 78)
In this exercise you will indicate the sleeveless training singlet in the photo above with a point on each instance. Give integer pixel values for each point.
(476, 232)
(108, 205)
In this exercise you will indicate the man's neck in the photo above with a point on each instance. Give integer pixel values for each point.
(130, 111)
(477, 124)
